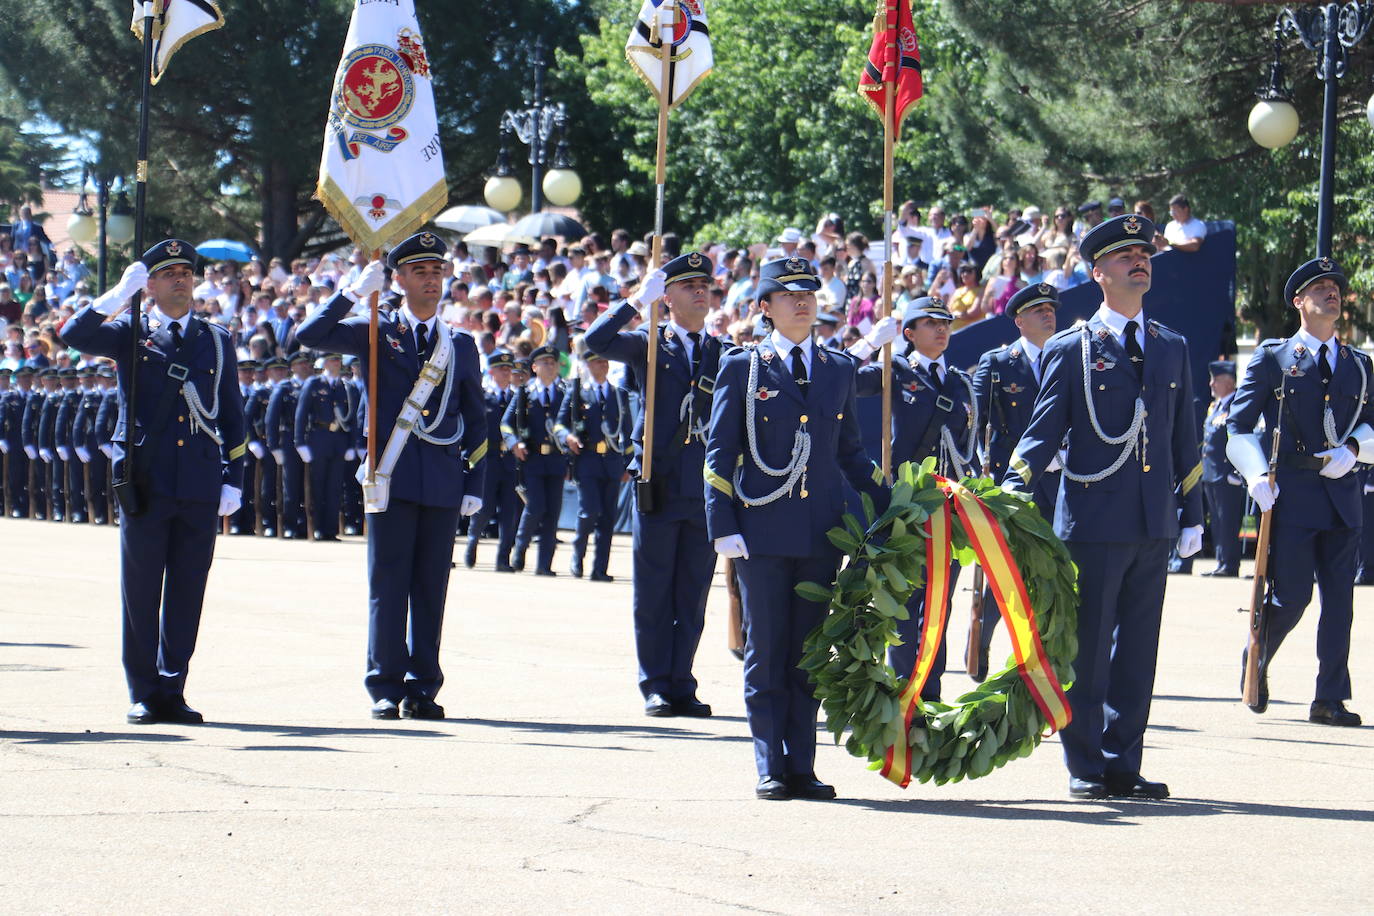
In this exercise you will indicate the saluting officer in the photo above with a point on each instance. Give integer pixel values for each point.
(281, 441)
(322, 437)
(499, 499)
(1006, 384)
(673, 559)
(594, 425)
(1223, 489)
(188, 467)
(1315, 389)
(784, 437)
(432, 439)
(933, 414)
(267, 472)
(528, 431)
(1117, 394)
(28, 433)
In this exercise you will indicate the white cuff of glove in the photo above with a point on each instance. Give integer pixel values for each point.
(652, 288)
(471, 505)
(1364, 435)
(861, 349)
(256, 448)
(304, 452)
(349, 454)
(732, 547)
(230, 499)
(1247, 457)
(1339, 462)
(84, 454)
(1263, 493)
(108, 449)
(1189, 541)
(279, 455)
(31, 452)
(134, 279)
(4, 447)
(45, 454)
(66, 454)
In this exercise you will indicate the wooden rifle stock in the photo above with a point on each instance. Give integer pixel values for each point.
(1259, 593)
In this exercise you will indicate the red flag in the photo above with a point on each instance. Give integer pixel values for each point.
(894, 57)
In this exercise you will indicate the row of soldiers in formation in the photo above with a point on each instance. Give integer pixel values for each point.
(753, 449)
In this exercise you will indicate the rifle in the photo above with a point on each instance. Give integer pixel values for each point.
(973, 653)
(9, 498)
(1262, 590)
(86, 488)
(109, 492)
(257, 497)
(309, 503)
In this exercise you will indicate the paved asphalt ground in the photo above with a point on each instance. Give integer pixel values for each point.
(548, 791)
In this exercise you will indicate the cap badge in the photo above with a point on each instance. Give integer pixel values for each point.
(796, 264)
(1326, 264)
(1046, 289)
(174, 248)
(1131, 224)
(427, 239)
(694, 259)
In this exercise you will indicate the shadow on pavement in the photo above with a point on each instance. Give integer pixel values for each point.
(39, 645)
(1236, 699)
(578, 728)
(86, 737)
(291, 747)
(318, 731)
(1112, 812)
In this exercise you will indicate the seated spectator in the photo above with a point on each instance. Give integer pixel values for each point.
(828, 236)
(861, 311)
(980, 241)
(1184, 232)
(1054, 268)
(1008, 278)
(1032, 267)
(1058, 235)
(910, 285)
(856, 263)
(965, 304)
(1143, 208)
(831, 296)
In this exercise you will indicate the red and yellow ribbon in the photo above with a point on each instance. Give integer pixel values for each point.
(985, 535)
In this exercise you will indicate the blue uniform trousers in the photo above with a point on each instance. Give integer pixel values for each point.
(598, 506)
(17, 483)
(326, 491)
(1225, 508)
(243, 520)
(352, 499)
(1366, 571)
(1120, 604)
(501, 502)
(903, 657)
(57, 486)
(544, 493)
(673, 564)
(267, 493)
(777, 694)
(76, 489)
(293, 492)
(165, 556)
(409, 552)
(1295, 553)
(38, 496)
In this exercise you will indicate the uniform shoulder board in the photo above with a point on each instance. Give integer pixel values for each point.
(1271, 342)
(1069, 332)
(735, 350)
(1162, 326)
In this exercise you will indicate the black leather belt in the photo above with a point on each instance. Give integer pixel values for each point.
(1292, 462)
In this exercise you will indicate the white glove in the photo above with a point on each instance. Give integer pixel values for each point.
(66, 454)
(256, 448)
(732, 547)
(135, 278)
(4, 447)
(1054, 464)
(471, 505)
(31, 452)
(279, 455)
(45, 454)
(1264, 493)
(1369, 488)
(371, 280)
(1234, 480)
(652, 287)
(349, 454)
(230, 499)
(882, 332)
(304, 452)
(1339, 461)
(108, 449)
(1189, 541)
(84, 454)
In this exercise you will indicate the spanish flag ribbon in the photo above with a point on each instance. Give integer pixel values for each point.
(985, 535)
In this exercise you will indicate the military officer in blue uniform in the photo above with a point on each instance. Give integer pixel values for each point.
(594, 427)
(430, 451)
(784, 439)
(62, 380)
(1116, 394)
(93, 463)
(323, 434)
(352, 499)
(1316, 391)
(106, 421)
(527, 429)
(11, 441)
(1222, 488)
(673, 558)
(40, 502)
(243, 521)
(933, 414)
(499, 499)
(266, 474)
(187, 468)
(73, 482)
(281, 442)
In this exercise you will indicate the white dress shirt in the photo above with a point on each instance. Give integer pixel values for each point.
(784, 348)
(1315, 346)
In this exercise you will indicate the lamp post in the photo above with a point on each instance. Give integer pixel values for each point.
(1329, 30)
(534, 126)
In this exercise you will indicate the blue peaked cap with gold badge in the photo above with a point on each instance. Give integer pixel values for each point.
(790, 274)
(689, 266)
(422, 246)
(925, 307)
(1116, 233)
(1031, 296)
(1309, 273)
(169, 253)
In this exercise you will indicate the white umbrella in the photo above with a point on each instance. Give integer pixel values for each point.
(467, 217)
(496, 236)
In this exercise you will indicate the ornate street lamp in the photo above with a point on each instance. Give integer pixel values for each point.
(534, 127)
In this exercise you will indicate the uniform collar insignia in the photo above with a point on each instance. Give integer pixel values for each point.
(1299, 351)
(402, 328)
(1154, 331)
(1015, 352)
(1103, 333)
(766, 352)
(820, 351)
(1345, 351)
(154, 324)
(668, 333)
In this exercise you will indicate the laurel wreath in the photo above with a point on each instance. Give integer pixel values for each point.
(846, 656)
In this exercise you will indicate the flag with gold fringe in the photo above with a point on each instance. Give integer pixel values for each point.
(893, 57)
(175, 22)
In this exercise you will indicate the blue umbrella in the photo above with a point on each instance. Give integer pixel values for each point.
(225, 250)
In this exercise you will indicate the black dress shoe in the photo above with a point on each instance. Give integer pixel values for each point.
(234, 529)
(545, 572)
(518, 565)
(575, 567)
(1263, 702)
(421, 708)
(57, 516)
(351, 530)
(386, 709)
(1087, 788)
(142, 714)
(288, 535)
(1136, 786)
(470, 555)
(738, 653)
(504, 567)
(771, 788)
(269, 532)
(1333, 712)
(1223, 572)
(809, 787)
(601, 577)
(692, 708)
(657, 705)
(177, 711)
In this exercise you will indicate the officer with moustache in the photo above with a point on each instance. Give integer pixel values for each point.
(1222, 488)
(255, 416)
(322, 438)
(673, 558)
(784, 439)
(281, 442)
(1116, 394)
(933, 415)
(528, 431)
(430, 451)
(1316, 390)
(593, 426)
(187, 467)
(499, 499)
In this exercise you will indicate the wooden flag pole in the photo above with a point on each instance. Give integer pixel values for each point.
(889, 110)
(665, 31)
(372, 381)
